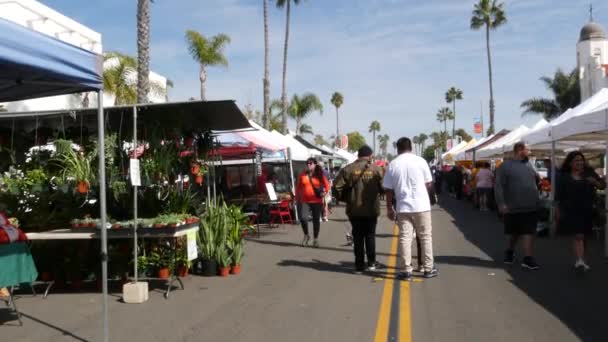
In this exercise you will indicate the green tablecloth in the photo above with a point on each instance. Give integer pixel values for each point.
(16, 265)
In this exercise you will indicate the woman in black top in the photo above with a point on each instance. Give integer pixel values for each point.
(575, 195)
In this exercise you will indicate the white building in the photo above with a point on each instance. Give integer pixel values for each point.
(592, 59)
(38, 17)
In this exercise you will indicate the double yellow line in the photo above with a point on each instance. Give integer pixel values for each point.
(388, 309)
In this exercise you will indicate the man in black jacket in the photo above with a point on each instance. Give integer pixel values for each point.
(360, 185)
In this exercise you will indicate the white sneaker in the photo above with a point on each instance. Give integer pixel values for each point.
(315, 243)
(580, 265)
(305, 240)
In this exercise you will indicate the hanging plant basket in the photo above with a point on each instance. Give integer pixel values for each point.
(199, 180)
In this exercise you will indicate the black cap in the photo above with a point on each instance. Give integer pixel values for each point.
(365, 151)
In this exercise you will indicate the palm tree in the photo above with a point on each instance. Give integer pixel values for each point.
(373, 128)
(305, 129)
(423, 138)
(267, 117)
(565, 88)
(302, 107)
(443, 115)
(287, 5)
(451, 96)
(116, 77)
(118, 74)
(416, 141)
(275, 122)
(319, 140)
(337, 100)
(207, 52)
(491, 15)
(383, 141)
(143, 50)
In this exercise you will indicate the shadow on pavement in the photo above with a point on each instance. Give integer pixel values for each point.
(342, 267)
(6, 317)
(465, 261)
(580, 302)
(292, 245)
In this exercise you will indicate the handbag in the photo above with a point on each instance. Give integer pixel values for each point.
(318, 191)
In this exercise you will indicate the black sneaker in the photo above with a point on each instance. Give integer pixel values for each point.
(431, 274)
(530, 264)
(407, 276)
(509, 257)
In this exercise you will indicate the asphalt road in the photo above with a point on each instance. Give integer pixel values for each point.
(290, 293)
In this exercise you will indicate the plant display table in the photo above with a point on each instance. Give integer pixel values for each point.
(122, 233)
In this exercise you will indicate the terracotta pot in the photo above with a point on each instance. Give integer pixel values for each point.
(182, 271)
(163, 273)
(83, 187)
(223, 271)
(235, 269)
(83, 225)
(75, 225)
(194, 169)
(158, 225)
(116, 226)
(199, 179)
(173, 225)
(92, 225)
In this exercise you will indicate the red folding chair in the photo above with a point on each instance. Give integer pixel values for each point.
(282, 212)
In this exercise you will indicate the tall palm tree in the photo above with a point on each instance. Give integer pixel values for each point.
(383, 140)
(373, 128)
(416, 141)
(287, 5)
(443, 115)
(337, 100)
(207, 52)
(491, 15)
(143, 50)
(423, 138)
(566, 92)
(451, 96)
(302, 107)
(267, 117)
(319, 140)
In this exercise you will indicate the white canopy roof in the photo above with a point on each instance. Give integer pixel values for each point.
(587, 124)
(497, 148)
(299, 152)
(454, 149)
(346, 155)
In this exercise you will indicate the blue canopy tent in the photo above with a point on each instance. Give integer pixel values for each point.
(35, 65)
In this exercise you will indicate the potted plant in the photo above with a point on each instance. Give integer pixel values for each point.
(78, 166)
(207, 240)
(75, 223)
(161, 259)
(223, 259)
(237, 256)
(36, 179)
(182, 262)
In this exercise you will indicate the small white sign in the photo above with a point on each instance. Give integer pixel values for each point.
(191, 244)
(271, 193)
(134, 172)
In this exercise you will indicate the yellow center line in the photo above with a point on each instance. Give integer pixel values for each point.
(405, 322)
(384, 316)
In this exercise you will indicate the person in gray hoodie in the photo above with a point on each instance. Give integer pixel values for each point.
(517, 198)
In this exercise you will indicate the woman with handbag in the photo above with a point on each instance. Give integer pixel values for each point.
(310, 192)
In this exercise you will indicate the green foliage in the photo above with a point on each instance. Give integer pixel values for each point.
(429, 153)
(223, 257)
(77, 165)
(355, 141)
(566, 94)
(181, 202)
(301, 107)
(463, 134)
(207, 51)
(161, 256)
(488, 13)
(337, 99)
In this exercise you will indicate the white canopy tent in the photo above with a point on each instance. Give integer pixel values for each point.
(454, 149)
(497, 148)
(465, 153)
(346, 155)
(299, 152)
(461, 151)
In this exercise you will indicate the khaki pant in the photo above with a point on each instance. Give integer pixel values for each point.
(421, 224)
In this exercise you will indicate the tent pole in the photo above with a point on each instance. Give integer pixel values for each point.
(293, 187)
(606, 203)
(135, 251)
(552, 223)
(102, 208)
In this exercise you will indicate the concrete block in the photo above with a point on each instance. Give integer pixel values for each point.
(135, 293)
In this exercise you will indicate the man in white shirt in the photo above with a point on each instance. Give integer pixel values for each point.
(408, 181)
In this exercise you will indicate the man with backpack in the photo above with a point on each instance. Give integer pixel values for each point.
(360, 185)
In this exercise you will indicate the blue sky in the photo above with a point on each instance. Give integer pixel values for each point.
(392, 59)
